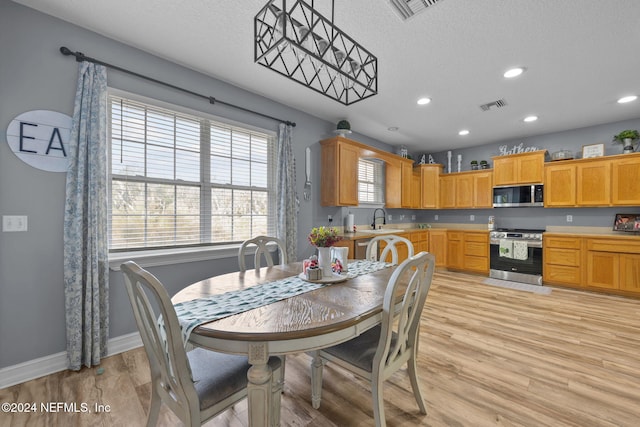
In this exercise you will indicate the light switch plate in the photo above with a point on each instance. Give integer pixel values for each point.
(14, 223)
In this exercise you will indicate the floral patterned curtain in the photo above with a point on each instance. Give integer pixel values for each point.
(287, 228)
(86, 263)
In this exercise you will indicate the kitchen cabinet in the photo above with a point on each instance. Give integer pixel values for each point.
(438, 246)
(468, 251)
(562, 257)
(625, 180)
(593, 180)
(613, 264)
(522, 168)
(416, 184)
(559, 184)
(464, 190)
(407, 184)
(420, 240)
(339, 173)
(398, 183)
(402, 248)
(455, 252)
(429, 185)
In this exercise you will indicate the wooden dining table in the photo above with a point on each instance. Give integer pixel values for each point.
(309, 321)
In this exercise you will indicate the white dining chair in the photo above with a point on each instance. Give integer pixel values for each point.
(391, 240)
(382, 350)
(196, 385)
(262, 249)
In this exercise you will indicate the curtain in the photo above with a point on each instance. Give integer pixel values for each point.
(287, 228)
(86, 263)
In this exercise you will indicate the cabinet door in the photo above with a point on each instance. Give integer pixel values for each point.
(415, 189)
(464, 191)
(504, 170)
(626, 181)
(630, 272)
(438, 246)
(429, 189)
(483, 190)
(560, 185)
(594, 183)
(602, 269)
(530, 169)
(407, 184)
(348, 175)
(393, 185)
(447, 192)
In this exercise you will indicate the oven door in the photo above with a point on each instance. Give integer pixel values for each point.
(531, 265)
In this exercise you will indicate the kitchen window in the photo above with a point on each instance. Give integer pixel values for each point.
(186, 180)
(370, 182)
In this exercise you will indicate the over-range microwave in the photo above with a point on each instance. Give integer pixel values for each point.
(511, 196)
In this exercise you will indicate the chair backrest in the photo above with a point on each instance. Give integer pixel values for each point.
(401, 320)
(391, 240)
(261, 243)
(170, 371)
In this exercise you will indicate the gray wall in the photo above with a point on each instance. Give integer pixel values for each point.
(34, 75)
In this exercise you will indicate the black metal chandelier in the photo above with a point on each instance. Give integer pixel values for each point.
(300, 43)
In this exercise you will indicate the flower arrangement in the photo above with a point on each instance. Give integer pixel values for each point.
(324, 237)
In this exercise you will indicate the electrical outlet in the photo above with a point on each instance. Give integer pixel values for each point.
(472, 217)
(569, 218)
(14, 223)
(329, 218)
(390, 217)
(435, 217)
(413, 217)
(401, 217)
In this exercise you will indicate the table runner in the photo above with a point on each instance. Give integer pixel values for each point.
(193, 313)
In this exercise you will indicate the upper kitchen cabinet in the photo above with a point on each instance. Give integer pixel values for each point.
(522, 168)
(464, 190)
(339, 174)
(625, 180)
(429, 185)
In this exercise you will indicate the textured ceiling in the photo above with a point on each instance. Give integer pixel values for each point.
(580, 56)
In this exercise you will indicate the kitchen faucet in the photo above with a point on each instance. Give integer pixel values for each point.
(384, 218)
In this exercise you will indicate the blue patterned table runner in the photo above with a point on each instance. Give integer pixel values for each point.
(194, 313)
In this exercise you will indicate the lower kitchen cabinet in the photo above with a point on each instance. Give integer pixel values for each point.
(562, 257)
(438, 246)
(420, 240)
(630, 272)
(468, 251)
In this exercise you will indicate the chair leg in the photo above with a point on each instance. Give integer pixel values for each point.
(154, 407)
(378, 401)
(415, 385)
(316, 380)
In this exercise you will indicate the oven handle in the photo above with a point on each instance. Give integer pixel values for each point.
(530, 243)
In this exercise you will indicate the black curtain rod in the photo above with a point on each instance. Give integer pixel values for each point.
(81, 57)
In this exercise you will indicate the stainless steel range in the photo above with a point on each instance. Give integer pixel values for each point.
(516, 254)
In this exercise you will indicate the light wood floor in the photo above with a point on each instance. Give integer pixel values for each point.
(489, 357)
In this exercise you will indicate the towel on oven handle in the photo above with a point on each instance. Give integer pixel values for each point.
(520, 250)
(506, 248)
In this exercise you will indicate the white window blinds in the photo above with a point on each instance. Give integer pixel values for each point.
(179, 179)
(370, 181)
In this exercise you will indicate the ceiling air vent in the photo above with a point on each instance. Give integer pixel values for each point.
(495, 104)
(407, 8)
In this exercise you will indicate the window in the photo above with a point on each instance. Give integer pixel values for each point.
(182, 180)
(370, 181)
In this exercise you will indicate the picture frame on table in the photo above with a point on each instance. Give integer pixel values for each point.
(593, 150)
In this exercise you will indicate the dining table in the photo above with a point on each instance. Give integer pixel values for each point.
(331, 313)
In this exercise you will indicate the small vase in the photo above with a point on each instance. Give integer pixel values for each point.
(324, 261)
(627, 146)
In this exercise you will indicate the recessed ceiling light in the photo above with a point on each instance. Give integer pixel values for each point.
(393, 128)
(513, 72)
(626, 99)
(463, 132)
(424, 101)
(530, 119)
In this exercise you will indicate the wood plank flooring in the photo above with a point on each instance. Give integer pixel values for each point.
(489, 356)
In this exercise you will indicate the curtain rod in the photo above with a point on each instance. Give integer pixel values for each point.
(81, 57)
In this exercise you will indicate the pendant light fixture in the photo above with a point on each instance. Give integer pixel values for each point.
(295, 40)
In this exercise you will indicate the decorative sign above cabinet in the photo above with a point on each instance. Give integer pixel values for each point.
(516, 149)
(40, 138)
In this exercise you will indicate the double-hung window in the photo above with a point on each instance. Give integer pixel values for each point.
(184, 179)
(370, 182)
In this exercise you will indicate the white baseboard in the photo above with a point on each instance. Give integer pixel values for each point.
(46, 365)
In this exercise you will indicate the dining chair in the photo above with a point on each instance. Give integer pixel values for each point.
(261, 242)
(391, 240)
(196, 385)
(382, 350)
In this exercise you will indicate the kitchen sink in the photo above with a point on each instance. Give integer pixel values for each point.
(385, 231)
